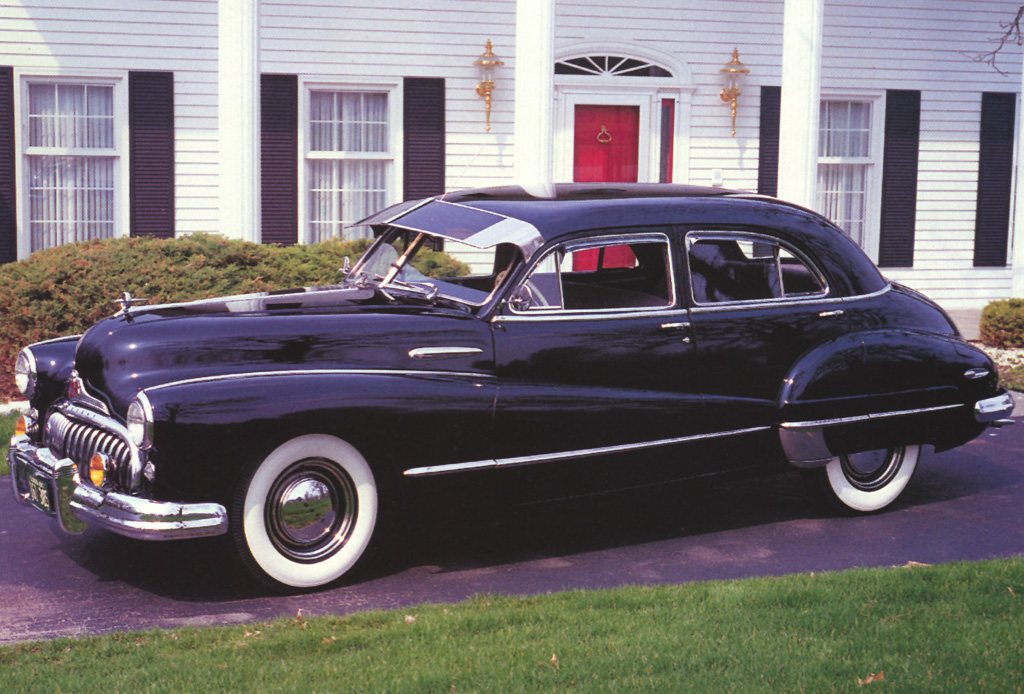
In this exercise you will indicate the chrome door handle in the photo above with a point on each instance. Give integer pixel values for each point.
(829, 314)
(667, 327)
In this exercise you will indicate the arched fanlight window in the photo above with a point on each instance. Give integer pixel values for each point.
(610, 65)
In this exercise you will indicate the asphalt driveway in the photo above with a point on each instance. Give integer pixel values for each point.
(966, 504)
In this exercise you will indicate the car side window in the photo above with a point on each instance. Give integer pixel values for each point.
(609, 274)
(738, 267)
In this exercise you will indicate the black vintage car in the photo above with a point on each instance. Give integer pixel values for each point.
(606, 337)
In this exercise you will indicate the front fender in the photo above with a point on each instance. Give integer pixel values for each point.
(882, 388)
(207, 431)
(55, 360)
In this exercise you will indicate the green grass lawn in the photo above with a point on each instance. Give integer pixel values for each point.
(951, 628)
(1012, 376)
(7, 423)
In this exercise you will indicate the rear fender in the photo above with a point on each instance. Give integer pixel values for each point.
(882, 388)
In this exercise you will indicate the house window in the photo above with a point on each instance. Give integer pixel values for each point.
(350, 160)
(845, 165)
(71, 162)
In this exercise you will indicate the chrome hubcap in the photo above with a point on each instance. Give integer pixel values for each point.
(872, 470)
(311, 510)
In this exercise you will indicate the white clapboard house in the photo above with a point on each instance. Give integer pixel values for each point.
(286, 121)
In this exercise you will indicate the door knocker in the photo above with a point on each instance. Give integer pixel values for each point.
(604, 137)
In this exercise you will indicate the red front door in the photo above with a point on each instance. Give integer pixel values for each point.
(606, 144)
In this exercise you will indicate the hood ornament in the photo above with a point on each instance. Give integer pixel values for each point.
(126, 301)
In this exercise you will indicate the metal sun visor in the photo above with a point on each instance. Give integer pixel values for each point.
(477, 228)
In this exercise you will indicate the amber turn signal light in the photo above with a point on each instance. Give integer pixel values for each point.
(21, 427)
(98, 469)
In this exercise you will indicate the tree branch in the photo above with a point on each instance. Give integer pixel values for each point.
(1011, 34)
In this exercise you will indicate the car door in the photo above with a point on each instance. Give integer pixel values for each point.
(758, 303)
(595, 364)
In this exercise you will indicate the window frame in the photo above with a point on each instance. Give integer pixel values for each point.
(585, 243)
(394, 176)
(118, 80)
(695, 235)
(873, 162)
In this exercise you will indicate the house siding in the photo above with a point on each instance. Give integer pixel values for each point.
(338, 42)
(870, 48)
(178, 36)
(911, 47)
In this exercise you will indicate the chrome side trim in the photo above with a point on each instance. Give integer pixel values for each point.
(598, 314)
(320, 372)
(767, 303)
(66, 338)
(429, 470)
(565, 455)
(443, 352)
(865, 417)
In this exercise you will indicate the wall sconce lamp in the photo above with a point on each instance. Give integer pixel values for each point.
(733, 76)
(487, 62)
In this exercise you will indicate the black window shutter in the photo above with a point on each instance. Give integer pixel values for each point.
(8, 186)
(768, 156)
(279, 158)
(899, 178)
(151, 153)
(423, 123)
(995, 175)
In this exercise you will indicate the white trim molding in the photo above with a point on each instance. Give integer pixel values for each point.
(238, 56)
(801, 100)
(534, 92)
(118, 81)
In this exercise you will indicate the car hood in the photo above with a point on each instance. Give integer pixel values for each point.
(329, 329)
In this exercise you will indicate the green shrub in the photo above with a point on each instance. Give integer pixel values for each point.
(1002, 323)
(64, 290)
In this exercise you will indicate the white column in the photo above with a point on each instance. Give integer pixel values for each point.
(1017, 222)
(535, 92)
(239, 117)
(801, 97)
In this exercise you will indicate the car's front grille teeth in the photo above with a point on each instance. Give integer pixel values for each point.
(79, 441)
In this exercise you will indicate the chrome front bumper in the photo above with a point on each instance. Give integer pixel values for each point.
(993, 409)
(52, 485)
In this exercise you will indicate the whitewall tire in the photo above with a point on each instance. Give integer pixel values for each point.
(306, 514)
(869, 481)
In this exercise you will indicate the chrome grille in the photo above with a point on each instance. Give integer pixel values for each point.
(78, 441)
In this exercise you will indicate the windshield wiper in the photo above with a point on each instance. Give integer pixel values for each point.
(425, 289)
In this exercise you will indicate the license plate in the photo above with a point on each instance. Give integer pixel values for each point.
(40, 495)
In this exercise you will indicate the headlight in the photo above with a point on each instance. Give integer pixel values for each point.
(25, 373)
(140, 422)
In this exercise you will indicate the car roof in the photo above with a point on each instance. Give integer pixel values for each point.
(530, 217)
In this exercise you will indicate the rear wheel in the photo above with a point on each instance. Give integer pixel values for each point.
(306, 514)
(869, 481)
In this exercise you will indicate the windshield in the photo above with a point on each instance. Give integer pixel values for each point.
(404, 263)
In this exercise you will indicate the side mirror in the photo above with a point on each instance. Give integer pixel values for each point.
(521, 298)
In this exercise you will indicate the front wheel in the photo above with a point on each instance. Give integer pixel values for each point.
(869, 481)
(306, 514)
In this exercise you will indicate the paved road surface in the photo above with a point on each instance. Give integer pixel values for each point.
(965, 504)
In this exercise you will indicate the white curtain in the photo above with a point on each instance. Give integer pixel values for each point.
(842, 197)
(71, 194)
(346, 189)
(845, 134)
